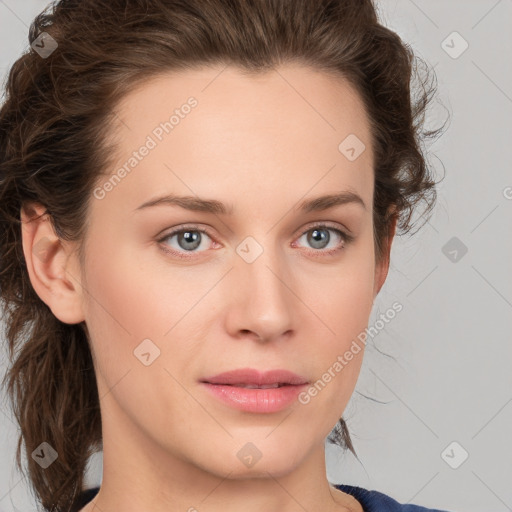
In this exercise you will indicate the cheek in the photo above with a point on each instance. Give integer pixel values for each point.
(133, 297)
(345, 311)
(343, 294)
(130, 301)
(129, 304)
(343, 305)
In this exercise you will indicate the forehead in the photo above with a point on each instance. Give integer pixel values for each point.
(218, 125)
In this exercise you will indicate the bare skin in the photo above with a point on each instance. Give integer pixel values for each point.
(260, 145)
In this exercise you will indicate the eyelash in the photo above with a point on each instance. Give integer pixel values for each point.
(346, 239)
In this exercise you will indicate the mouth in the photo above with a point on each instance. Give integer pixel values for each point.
(252, 378)
(253, 386)
(249, 390)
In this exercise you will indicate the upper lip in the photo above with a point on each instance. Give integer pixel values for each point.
(254, 377)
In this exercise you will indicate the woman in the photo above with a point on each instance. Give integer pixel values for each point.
(198, 202)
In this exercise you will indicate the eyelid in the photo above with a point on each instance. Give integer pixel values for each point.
(326, 224)
(165, 233)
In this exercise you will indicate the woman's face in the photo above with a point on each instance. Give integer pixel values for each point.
(264, 286)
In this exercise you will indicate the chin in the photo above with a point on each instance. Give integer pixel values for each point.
(258, 458)
(279, 467)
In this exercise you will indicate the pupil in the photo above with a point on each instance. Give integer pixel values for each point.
(189, 237)
(317, 238)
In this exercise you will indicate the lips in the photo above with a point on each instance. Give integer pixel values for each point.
(252, 391)
(253, 379)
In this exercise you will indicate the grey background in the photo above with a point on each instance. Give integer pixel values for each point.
(449, 377)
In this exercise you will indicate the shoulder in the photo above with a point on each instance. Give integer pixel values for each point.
(83, 498)
(375, 501)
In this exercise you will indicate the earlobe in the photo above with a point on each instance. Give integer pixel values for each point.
(50, 266)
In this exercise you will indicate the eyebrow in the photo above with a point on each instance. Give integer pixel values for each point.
(198, 204)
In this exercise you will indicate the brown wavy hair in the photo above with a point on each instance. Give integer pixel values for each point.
(54, 124)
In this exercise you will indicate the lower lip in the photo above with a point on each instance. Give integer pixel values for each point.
(256, 400)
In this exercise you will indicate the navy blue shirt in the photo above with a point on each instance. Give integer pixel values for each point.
(371, 501)
(375, 501)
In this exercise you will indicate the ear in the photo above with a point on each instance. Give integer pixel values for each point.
(382, 267)
(52, 266)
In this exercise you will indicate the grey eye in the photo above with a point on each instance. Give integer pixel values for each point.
(189, 240)
(319, 237)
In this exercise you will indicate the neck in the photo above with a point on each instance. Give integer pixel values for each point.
(139, 475)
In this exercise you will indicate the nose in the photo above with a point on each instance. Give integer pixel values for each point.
(262, 304)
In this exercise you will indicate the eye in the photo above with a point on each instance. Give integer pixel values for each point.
(187, 239)
(319, 237)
